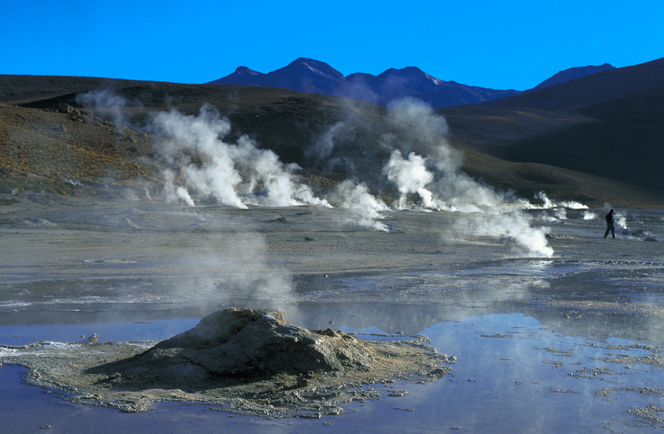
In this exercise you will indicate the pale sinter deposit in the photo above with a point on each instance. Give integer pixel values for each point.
(248, 361)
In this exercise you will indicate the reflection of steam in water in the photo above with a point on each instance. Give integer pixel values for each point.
(484, 285)
(503, 364)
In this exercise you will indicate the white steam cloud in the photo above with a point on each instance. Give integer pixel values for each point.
(410, 176)
(560, 213)
(550, 203)
(253, 275)
(364, 209)
(513, 226)
(619, 217)
(433, 171)
(210, 166)
(324, 146)
(172, 192)
(107, 103)
(240, 174)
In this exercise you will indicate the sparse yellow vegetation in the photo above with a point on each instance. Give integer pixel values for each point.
(38, 145)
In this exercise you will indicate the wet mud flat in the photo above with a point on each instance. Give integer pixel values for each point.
(570, 342)
(512, 372)
(246, 361)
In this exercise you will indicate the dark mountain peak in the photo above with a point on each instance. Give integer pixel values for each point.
(359, 75)
(603, 87)
(572, 74)
(313, 76)
(411, 74)
(308, 61)
(243, 71)
(242, 75)
(305, 66)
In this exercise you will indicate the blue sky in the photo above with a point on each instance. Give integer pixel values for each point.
(497, 44)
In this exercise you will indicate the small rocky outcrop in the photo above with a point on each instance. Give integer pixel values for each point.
(251, 343)
(77, 115)
(65, 108)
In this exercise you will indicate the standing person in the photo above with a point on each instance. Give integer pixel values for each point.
(609, 225)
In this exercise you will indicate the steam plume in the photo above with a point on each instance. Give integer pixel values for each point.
(196, 144)
(433, 170)
(549, 203)
(410, 176)
(108, 103)
(364, 208)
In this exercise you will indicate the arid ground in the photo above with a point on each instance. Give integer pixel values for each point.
(536, 338)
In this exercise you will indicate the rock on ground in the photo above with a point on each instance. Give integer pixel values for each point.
(249, 361)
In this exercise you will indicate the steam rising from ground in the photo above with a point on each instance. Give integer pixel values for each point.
(410, 176)
(173, 192)
(108, 103)
(240, 174)
(549, 203)
(254, 275)
(364, 208)
(621, 220)
(210, 165)
(435, 175)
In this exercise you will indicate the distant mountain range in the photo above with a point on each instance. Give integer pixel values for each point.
(313, 76)
(645, 79)
(572, 74)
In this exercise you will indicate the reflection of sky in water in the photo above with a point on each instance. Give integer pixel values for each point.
(367, 330)
(513, 374)
(117, 331)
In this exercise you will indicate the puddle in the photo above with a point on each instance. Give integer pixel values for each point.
(111, 331)
(512, 374)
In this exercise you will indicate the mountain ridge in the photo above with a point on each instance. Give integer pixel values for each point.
(589, 89)
(572, 74)
(313, 76)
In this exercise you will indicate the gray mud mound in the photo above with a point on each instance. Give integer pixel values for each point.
(246, 361)
(244, 345)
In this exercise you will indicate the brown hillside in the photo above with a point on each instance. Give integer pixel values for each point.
(33, 143)
(617, 139)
